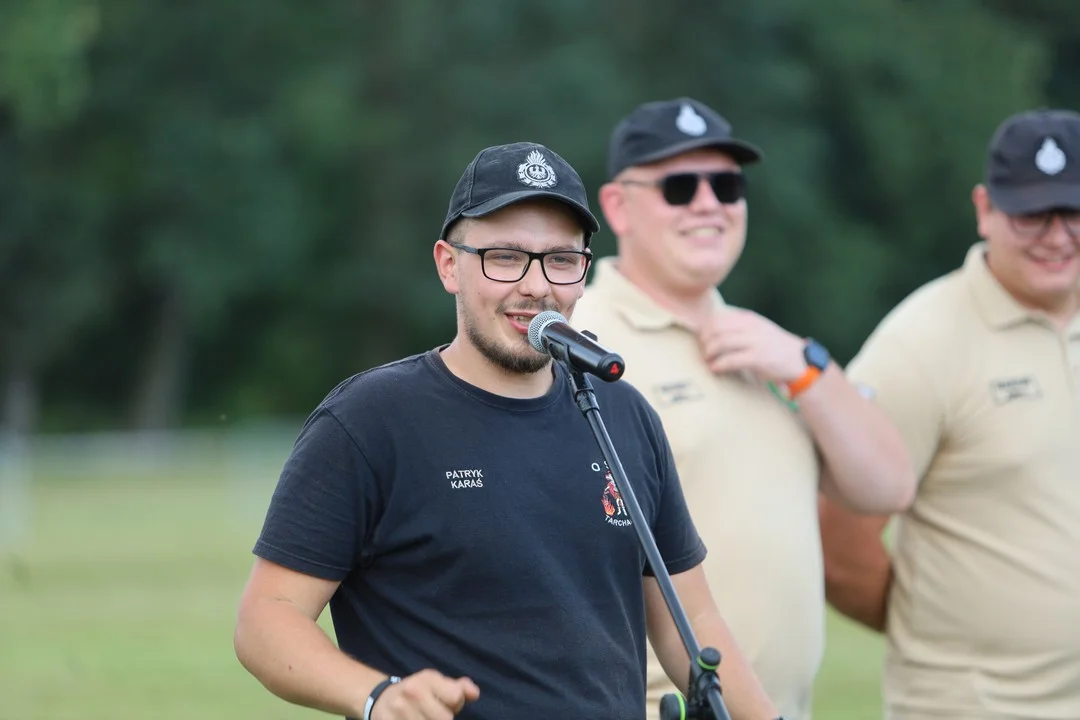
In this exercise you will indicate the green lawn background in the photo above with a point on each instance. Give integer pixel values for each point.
(120, 571)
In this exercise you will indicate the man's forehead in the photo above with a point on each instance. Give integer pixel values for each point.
(701, 160)
(531, 213)
(527, 236)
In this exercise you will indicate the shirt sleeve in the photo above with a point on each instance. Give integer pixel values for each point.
(676, 535)
(906, 387)
(323, 506)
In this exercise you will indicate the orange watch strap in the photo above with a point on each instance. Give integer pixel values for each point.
(803, 382)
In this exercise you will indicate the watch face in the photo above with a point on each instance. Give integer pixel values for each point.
(816, 355)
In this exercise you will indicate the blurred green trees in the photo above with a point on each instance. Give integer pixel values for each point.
(221, 209)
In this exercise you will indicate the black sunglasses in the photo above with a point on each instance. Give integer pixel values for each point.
(728, 186)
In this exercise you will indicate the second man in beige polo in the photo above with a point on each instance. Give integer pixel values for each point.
(725, 382)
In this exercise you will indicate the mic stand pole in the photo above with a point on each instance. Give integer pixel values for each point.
(704, 701)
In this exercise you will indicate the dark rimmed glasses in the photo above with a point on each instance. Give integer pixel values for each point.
(1036, 225)
(560, 267)
(728, 186)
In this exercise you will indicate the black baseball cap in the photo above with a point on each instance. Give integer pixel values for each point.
(665, 128)
(1033, 162)
(506, 174)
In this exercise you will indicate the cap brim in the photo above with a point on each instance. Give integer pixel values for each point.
(740, 151)
(588, 221)
(1036, 198)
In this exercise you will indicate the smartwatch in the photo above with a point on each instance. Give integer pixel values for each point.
(817, 359)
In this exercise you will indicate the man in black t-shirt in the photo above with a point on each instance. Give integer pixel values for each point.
(455, 511)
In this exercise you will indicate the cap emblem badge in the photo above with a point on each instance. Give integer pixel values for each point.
(689, 121)
(1050, 158)
(535, 171)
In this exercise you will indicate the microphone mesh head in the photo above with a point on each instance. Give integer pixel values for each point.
(537, 325)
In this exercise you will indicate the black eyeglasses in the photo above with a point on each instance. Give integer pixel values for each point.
(560, 267)
(1036, 225)
(680, 188)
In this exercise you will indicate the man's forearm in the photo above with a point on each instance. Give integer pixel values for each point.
(858, 568)
(864, 454)
(864, 599)
(292, 656)
(743, 694)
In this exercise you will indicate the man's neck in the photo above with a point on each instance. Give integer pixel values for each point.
(1064, 313)
(691, 306)
(468, 364)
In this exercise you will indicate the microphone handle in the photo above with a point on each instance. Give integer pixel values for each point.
(605, 364)
(583, 352)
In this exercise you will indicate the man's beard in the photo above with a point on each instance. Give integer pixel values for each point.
(524, 362)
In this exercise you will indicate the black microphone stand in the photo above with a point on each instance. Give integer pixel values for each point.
(703, 701)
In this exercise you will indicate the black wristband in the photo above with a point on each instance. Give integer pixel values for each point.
(376, 692)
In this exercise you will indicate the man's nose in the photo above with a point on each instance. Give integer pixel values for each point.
(1060, 233)
(704, 197)
(534, 283)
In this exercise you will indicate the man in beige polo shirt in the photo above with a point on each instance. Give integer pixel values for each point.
(725, 381)
(980, 371)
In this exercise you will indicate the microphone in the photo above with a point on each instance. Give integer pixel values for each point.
(551, 334)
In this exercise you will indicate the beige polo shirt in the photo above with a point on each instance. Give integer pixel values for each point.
(984, 616)
(750, 474)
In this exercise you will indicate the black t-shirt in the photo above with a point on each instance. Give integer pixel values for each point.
(481, 535)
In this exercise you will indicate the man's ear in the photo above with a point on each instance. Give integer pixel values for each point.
(980, 198)
(446, 264)
(612, 199)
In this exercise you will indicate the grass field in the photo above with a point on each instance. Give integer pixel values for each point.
(118, 599)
